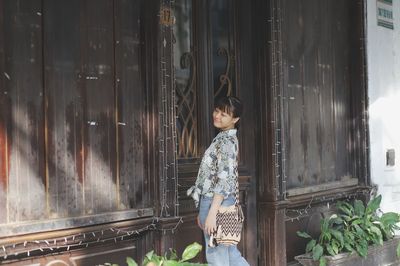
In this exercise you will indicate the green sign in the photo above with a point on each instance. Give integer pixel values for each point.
(384, 13)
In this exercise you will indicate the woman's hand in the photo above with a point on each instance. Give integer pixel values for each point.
(211, 223)
(198, 222)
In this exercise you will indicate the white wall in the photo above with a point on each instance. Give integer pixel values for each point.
(383, 52)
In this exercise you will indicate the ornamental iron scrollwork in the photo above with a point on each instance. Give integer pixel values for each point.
(187, 117)
(224, 79)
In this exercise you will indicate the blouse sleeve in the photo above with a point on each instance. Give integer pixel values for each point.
(226, 168)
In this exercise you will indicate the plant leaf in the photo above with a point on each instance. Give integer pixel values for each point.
(330, 250)
(349, 235)
(359, 207)
(374, 204)
(173, 255)
(317, 252)
(398, 250)
(338, 235)
(324, 225)
(359, 231)
(377, 232)
(131, 262)
(362, 250)
(335, 248)
(303, 234)
(390, 218)
(324, 237)
(345, 217)
(348, 247)
(191, 264)
(310, 245)
(191, 251)
(345, 208)
(356, 220)
(171, 263)
(336, 220)
(150, 254)
(322, 261)
(152, 257)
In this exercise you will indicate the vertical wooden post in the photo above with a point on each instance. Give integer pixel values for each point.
(167, 114)
(168, 186)
(272, 233)
(272, 179)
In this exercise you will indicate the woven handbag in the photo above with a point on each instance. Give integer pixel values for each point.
(229, 222)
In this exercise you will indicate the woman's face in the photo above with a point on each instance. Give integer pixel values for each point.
(223, 120)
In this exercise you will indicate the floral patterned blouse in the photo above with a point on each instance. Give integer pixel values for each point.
(218, 169)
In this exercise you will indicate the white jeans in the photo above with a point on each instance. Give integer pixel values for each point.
(221, 255)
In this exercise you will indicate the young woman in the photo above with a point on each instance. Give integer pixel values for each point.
(216, 180)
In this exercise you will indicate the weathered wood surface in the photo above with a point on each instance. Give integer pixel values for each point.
(74, 109)
(80, 90)
(316, 65)
(311, 100)
(21, 116)
(132, 104)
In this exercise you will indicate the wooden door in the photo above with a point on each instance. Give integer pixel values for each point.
(76, 137)
(212, 58)
(313, 128)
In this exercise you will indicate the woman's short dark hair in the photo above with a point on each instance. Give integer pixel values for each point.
(231, 105)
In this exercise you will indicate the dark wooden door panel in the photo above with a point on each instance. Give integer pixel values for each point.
(97, 85)
(64, 109)
(132, 102)
(21, 115)
(210, 63)
(75, 110)
(317, 90)
(81, 113)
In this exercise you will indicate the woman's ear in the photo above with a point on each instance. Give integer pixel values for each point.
(236, 119)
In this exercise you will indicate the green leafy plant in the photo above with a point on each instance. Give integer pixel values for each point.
(169, 259)
(352, 229)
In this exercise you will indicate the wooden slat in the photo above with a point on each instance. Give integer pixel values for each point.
(97, 48)
(312, 91)
(326, 81)
(65, 154)
(131, 104)
(4, 121)
(81, 110)
(23, 115)
(295, 94)
(342, 93)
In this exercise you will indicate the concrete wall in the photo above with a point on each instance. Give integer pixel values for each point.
(383, 52)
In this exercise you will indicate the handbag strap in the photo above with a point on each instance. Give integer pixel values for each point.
(237, 191)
